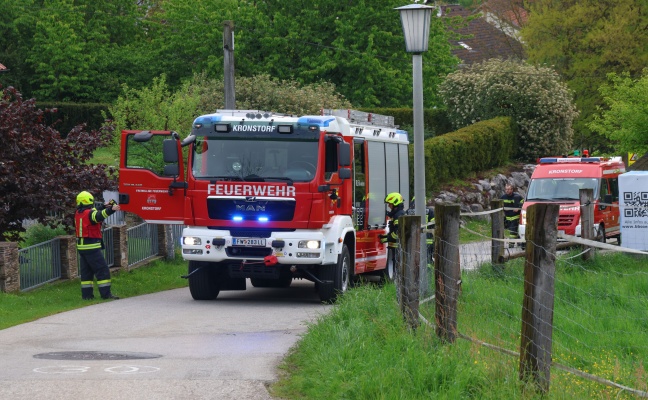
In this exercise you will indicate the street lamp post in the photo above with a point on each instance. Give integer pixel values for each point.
(415, 19)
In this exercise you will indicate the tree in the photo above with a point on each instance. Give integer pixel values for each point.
(584, 40)
(357, 45)
(61, 58)
(625, 117)
(538, 101)
(41, 173)
(158, 107)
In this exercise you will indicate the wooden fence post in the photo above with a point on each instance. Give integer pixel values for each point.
(69, 260)
(497, 232)
(410, 232)
(587, 219)
(538, 305)
(447, 269)
(9, 267)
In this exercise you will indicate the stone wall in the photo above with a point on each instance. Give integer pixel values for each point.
(478, 197)
(9, 267)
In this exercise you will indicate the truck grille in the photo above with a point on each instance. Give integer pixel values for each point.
(227, 209)
(566, 220)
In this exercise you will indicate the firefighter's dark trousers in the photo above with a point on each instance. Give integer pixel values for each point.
(93, 265)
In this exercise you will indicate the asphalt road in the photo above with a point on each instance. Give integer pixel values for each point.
(158, 346)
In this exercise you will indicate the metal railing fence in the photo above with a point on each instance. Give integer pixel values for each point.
(39, 264)
(142, 243)
(177, 235)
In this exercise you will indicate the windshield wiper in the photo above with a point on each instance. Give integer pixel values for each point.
(223, 178)
(254, 178)
(280, 178)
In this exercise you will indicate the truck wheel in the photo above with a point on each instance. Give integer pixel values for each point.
(600, 235)
(203, 284)
(338, 274)
(389, 273)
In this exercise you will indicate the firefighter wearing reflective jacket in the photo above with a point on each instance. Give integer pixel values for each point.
(512, 207)
(397, 209)
(87, 220)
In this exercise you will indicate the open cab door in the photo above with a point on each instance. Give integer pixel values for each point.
(152, 182)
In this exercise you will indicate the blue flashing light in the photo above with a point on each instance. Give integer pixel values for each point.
(262, 219)
(207, 119)
(237, 218)
(553, 160)
(321, 121)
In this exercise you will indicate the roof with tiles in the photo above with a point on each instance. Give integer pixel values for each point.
(483, 40)
(3, 68)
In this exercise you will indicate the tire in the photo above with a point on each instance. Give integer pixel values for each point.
(338, 274)
(203, 284)
(600, 234)
(389, 273)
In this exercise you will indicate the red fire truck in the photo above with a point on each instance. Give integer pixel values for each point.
(559, 179)
(271, 197)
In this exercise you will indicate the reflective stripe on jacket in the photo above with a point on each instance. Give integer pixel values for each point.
(88, 227)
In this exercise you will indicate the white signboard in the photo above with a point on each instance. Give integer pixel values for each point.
(633, 200)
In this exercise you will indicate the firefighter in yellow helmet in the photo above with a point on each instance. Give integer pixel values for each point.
(396, 205)
(87, 220)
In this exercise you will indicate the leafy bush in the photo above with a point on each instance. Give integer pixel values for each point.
(539, 103)
(41, 172)
(475, 148)
(39, 233)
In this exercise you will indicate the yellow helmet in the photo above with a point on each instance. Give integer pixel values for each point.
(394, 199)
(84, 199)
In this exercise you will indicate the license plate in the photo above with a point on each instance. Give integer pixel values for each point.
(248, 242)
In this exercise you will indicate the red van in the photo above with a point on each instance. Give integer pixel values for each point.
(559, 179)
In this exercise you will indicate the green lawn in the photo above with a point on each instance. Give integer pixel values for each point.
(363, 349)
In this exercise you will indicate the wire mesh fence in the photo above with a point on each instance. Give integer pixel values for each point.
(584, 318)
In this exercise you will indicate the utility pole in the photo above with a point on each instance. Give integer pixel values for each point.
(228, 67)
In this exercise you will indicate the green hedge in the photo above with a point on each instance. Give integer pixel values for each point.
(435, 120)
(478, 147)
(73, 114)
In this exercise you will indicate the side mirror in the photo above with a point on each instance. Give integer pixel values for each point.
(170, 151)
(344, 154)
(344, 173)
(170, 170)
(606, 199)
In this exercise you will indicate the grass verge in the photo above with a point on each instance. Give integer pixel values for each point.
(363, 349)
(18, 308)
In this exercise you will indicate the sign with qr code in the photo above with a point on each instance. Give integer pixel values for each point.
(633, 200)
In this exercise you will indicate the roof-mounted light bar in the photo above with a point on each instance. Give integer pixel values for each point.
(554, 160)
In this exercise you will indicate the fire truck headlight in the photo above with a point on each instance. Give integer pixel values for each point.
(191, 241)
(523, 217)
(308, 244)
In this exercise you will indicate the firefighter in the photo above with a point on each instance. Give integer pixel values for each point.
(429, 236)
(396, 205)
(512, 208)
(87, 220)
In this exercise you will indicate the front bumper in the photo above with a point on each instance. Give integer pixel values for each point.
(289, 247)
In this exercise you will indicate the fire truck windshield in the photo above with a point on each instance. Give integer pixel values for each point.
(254, 160)
(560, 188)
